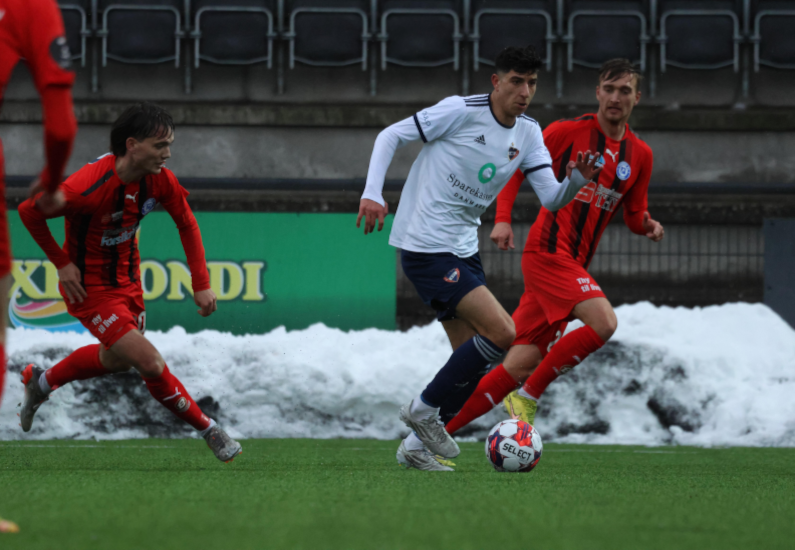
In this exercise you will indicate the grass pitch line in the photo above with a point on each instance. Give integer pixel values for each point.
(36, 446)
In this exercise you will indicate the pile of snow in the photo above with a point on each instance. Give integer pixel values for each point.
(722, 375)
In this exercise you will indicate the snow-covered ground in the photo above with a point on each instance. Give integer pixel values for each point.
(722, 375)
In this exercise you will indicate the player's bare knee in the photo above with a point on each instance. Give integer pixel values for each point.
(152, 366)
(606, 326)
(504, 335)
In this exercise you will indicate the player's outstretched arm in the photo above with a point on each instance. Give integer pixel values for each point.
(555, 195)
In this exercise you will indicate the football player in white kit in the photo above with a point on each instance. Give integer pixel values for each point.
(472, 147)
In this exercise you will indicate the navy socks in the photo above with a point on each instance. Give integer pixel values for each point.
(466, 362)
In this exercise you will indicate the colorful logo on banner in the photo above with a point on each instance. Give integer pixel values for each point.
(35, 302)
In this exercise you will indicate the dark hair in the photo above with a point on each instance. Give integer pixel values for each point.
(522, 60)
(615, 68)
(139, 121)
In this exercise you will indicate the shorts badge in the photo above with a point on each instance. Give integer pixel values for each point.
(453, 276)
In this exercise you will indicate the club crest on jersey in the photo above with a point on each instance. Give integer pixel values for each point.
(148, 206)
(623, 170)
(452, 276)
(513, 152)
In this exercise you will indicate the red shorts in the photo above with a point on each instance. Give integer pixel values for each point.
(553, 285)
(5, 241)
(110, 314)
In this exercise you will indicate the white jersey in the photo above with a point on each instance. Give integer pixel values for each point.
(468, 157)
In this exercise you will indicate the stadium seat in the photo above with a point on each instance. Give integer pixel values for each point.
(700, 34)
(599, 30)
(497, 24)
(236, 32)
(773, 39)
(75, 19)
(420, 33)
(329, 33)
(141, 31)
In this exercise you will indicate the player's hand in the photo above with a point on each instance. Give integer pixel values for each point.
(588, 165)
(48, 203)
(70, 277)
(502, 235)
(371, 211)
(654, 229)
(206, 300)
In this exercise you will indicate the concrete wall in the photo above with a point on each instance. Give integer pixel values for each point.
(331, 153)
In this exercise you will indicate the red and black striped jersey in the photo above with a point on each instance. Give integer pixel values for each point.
(576, 228)
(102, 216)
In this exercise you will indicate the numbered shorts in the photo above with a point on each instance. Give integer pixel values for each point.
(554, 284)
(110, 314)
(442, 279)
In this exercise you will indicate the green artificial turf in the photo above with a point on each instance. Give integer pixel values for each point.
(350, 494)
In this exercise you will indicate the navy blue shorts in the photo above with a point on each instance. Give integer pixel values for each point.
(442, 279)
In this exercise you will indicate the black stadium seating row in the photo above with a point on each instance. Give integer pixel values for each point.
(691, 34)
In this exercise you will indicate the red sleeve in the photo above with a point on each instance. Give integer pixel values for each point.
(507, 197)
(637, 202)
(36, 224)
(175, 203)
(47, 53)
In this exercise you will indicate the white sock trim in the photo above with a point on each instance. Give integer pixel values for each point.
(413, 443)
(208, 428)
(420, 411)
(43, 384)
(527, 395)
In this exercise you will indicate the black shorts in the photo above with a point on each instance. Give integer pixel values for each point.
(442, 279)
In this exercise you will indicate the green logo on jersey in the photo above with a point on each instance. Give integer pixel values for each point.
(487, 173)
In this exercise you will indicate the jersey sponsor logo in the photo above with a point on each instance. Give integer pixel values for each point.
(148, 206)
(467, 193)
(113, 217)
(453, 276)
(481, 139)
(115, 237)
(623, 170)
(133, 198)
(487, 173)
(611, 153)
(606, 198)
(513, 152)
(59, 51)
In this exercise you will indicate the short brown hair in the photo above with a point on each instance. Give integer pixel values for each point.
(615, 68)
(140, 121)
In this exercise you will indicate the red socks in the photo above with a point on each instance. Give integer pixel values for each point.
(490, 391)
(81, 364)
(172, 395)
(569, 352)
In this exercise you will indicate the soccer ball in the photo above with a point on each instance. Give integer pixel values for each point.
(513, 446)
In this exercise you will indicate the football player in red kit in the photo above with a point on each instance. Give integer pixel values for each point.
(99, 273)
(560, 247)
(33, 30)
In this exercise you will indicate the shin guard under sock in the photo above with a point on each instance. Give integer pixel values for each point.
(81, 364)
(170, 392)
(566, 354)
(491, 390)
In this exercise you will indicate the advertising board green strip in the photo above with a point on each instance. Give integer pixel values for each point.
(267, 269)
